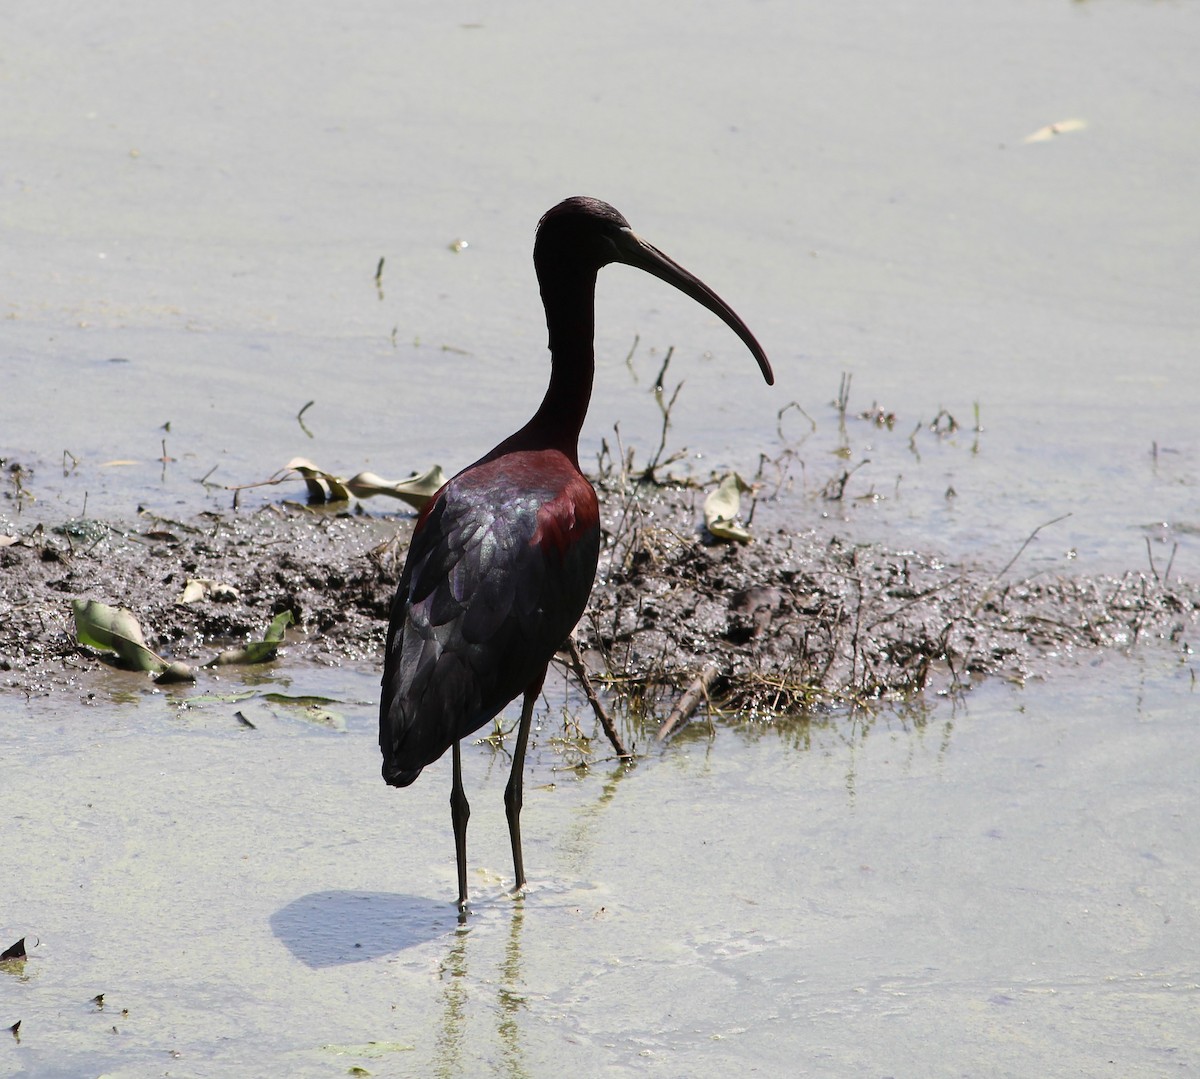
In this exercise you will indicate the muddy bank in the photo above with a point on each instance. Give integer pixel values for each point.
(797, 619)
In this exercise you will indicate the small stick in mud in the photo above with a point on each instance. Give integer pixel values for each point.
(629, 357)
(689, 702)
(662, 371)
(843, 398)
(300, 414)
(614, 736)
(1012, 561)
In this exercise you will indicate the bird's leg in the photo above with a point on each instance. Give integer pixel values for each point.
(513, 792)
(460, 812)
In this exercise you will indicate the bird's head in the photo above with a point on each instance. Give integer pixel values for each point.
(580, 235)
(580, 232)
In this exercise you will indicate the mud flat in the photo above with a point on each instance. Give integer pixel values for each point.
(800, 618)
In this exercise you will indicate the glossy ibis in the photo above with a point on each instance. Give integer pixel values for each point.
(503, 557)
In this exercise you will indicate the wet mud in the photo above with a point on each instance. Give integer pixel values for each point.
(798, 619)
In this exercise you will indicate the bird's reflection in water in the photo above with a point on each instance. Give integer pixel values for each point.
(579, 841)
(575, 846)
(510, 998)
(453, 974)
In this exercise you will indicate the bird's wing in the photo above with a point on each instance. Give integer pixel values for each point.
(492, 586)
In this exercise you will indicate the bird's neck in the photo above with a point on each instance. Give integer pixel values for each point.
(570, 318)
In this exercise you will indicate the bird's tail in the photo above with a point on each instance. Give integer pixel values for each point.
(398, 777)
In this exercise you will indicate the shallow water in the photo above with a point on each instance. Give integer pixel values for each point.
(207, 196)
(1012, 880)
(195, 205)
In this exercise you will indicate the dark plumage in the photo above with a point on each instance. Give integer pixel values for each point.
(498, 573)
(503, 558)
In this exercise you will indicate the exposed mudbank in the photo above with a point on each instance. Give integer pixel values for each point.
(797, 619)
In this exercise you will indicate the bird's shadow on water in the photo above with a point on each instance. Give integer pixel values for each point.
(329, 929)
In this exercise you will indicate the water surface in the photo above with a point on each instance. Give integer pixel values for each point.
(195, 204)
(988, 886)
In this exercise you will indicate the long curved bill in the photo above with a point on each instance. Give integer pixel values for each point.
(634, 251)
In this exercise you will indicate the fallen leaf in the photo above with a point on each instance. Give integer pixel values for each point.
(1045, 134)
(199, 588)
(221, 698)
(304, 700)
(278, 624)
(271, 711)
(309, 708)
(323, 486)
(369, 1049)
(416, 490)
(256, 651)
(115, 629)
(721, 509)
(175, 671)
